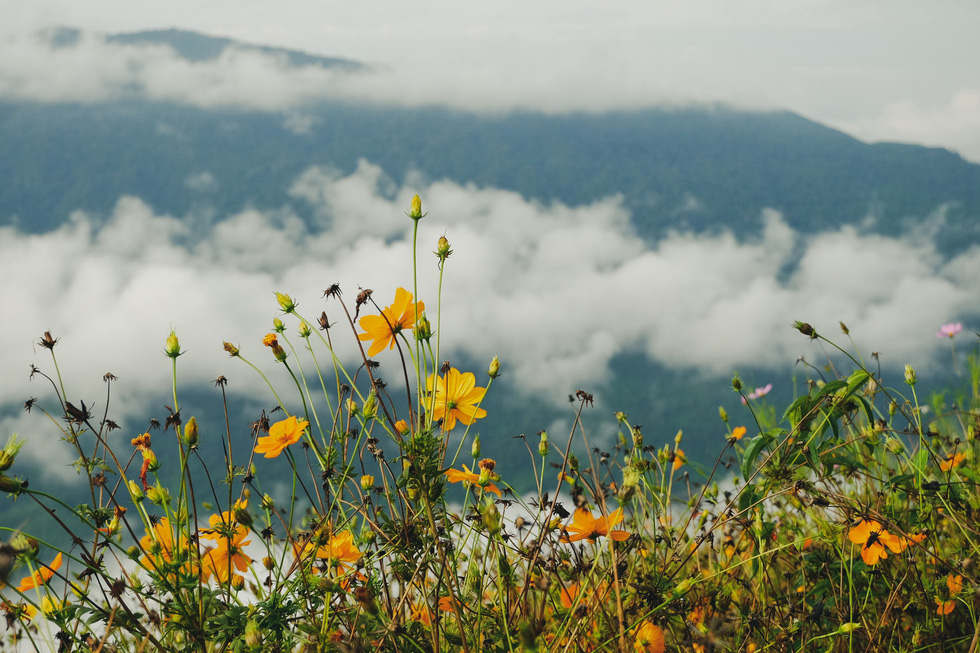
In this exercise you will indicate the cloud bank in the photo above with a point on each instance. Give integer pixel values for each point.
(556, 291)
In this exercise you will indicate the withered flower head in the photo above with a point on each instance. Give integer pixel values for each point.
(334, 289)
(231, 349)
(48, 342)
(804, 328)
(324, 323)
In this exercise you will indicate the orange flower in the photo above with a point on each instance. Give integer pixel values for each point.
(270, 340)
(738, 433)
(585, 526)
(339, 550)
(944, 607)
(383, 328)
(679, 459)
(954, 583)
(455, 476)
(281, 435)
(220, 560)
(160, 549)
(649, 638)
(952, 461)
(873, 539)
(41, 577)
(455, 397)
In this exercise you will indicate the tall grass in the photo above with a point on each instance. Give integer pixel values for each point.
(846, 522)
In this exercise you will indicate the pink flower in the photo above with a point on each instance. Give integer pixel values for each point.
(759, 392)
(949, 330)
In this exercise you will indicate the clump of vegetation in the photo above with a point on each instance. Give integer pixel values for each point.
(847, 523)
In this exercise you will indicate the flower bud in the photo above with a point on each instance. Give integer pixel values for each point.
(723, 414)
(268, 563)
(805, 329)
(305, 330)
(9, 452)
(573, 462)
(286, 302)
(637, 438)
(423, 328)
(268, 503)
(370, 405)
(475, 448)
(279, 352)
(351, 406)
(157, 495)
(278, 326)
(678, 437)
(231, 349)
(11, 485)
(190, 433)
(620, 416)
(367, 482)
(543, 445)
(491, 517)
(910, 377)
(494, 371)
(844, 329)
(237, 582)
(135, 491)
(736, 384)
(442, 249)
(172, 349)
(895, 445)
(241, 514)
(253, 635)
(416, 213)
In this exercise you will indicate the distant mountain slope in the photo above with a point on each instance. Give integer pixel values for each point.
(700, 168)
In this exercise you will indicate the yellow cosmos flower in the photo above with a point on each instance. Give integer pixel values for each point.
(679, 459)
(585, 526)
(227, 555)
(383, 328)
(41, 576)
(455, 397)
(649, 638)
(160, 549)
(738, 433)
(466, 476)
(952, 461)
(281, 435)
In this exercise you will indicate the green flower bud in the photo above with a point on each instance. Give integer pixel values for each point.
(286, 302)
(723, 414)
(736, 384)
(172, 349)
(543, 445)
(305, 330)
(895, 445)
(416, 213)
(475, 448)
(135, 491)
(11, 485)
(442, 249)
(190, 433)
(370, 408)
(423, 328)
(9, 452)
(910, 377)
(278, 326)
(494, 371)
(231, 349)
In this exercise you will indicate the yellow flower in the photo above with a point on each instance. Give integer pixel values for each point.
(649, 638)
(339, 550)
(41, 577)
(455, 397)
(738, 433)
(455, 476)
(270, 339)
(383, 328)
(281, 435)
(159, 548)
(951, 461)
(585, 526)
(220, 560)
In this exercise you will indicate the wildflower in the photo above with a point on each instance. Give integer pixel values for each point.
(757, 393)
(944, 607)
(679, 459)
(41, 576)
(416, 213)
(229, 553)
(455, 476)
(455, 397)
(339, 550)
(402, 427)
(585, 526)
(159, 543)
(873, 539)
(649, 638)
(910, 376)
(737, 433)
(954, 583)
(286, 302)
(952, 461)
(270, 340)
(9, 452)
(383, 328)
(191, 433)
(949, 330)
(281, 435)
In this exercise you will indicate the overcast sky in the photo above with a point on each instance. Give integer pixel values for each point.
(899, 70)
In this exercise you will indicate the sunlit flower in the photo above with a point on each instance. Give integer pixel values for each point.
(228, 554)
(281, 435)
(649, 638)
(585, 526)
(340, 551)
(738, 433)
(952, 461)
(270, 339)
(383, 328)
(954, 583)
(159, 547)
(455, 397)
(944, 607)
(455, 476)
(873, 539)
(949, 330)
(41, 576)
(679, 459)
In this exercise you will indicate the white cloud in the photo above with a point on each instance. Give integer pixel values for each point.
(555, 291)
